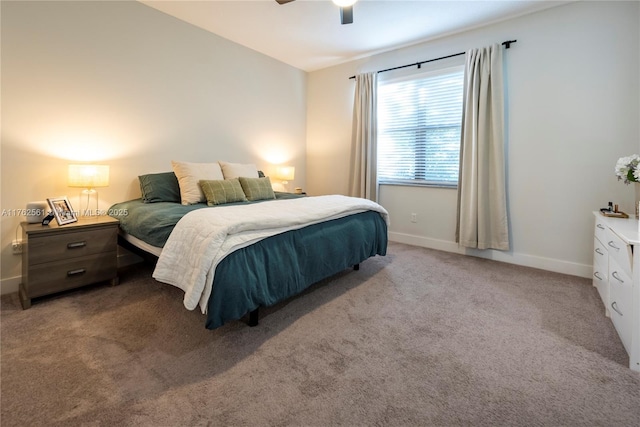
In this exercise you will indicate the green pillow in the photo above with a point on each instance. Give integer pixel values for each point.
(159, 187)
(257, 188)
(221, 191)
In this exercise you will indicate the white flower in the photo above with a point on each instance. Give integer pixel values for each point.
(627, 169)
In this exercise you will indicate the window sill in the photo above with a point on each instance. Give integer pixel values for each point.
(419, 184)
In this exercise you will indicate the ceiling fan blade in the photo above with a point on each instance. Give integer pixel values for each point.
(346, 15)
(284, 1)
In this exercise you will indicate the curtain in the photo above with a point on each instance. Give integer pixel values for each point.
(482, 207)
(363, 180)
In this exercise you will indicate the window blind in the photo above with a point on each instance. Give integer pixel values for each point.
(419, 122)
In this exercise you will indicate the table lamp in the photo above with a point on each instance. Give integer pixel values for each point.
(88, 177)
(285, 174)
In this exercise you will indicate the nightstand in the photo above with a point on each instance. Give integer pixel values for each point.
(57, 258)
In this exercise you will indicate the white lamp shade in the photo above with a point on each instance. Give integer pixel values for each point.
(285, 173)
(88, 176)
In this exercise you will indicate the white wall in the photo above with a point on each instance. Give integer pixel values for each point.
(124, 84)
(572, 110)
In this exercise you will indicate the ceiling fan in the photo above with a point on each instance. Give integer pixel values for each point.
(346, 9)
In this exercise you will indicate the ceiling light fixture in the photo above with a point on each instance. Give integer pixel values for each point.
(346, 9)
(345, 3)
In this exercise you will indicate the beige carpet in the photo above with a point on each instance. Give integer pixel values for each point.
(418, 337)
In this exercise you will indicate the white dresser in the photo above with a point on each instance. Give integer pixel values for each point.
(616, 275)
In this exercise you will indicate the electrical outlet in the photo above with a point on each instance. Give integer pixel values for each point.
(414, 217)
(16, 247)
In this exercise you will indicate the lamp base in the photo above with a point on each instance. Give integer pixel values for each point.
(86, 207)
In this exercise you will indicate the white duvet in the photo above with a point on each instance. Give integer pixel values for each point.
(202, 238)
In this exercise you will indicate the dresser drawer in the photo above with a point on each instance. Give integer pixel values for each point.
(600, 230)
(56, 276)
(601, 272)
(600, 253)
(620, 297)
(66, 245)
(618, 250)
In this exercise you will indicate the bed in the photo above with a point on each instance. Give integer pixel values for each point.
(233, 258)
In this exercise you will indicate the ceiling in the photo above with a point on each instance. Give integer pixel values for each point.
(307, 34)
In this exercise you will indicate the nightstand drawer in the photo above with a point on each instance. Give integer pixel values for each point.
(47, 278)
(67, 245)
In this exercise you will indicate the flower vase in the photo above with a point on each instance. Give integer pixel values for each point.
(636, 206)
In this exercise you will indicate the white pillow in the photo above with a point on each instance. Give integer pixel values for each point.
(237, 170)
(189, 174)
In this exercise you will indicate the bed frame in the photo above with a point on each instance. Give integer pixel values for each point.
(253, 316)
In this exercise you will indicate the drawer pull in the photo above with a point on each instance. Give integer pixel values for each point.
(76, 272)
(613, 245)
(615, 276)
(600, 226)
(599, 252)
(76, 245)
(597, 274)
(614, 305)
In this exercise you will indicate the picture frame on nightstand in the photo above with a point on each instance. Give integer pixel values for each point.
(62, 210)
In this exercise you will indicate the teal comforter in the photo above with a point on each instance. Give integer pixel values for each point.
(284, 265)
(272, 269)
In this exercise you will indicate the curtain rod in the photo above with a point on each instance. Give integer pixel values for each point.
(506, 44)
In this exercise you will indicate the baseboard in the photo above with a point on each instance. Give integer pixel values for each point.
(549, 264)
(10, 285)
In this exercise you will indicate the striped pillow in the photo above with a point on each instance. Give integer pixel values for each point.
(221, 191)
(257, 188)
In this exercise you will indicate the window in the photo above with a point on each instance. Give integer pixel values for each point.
(419, 122)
